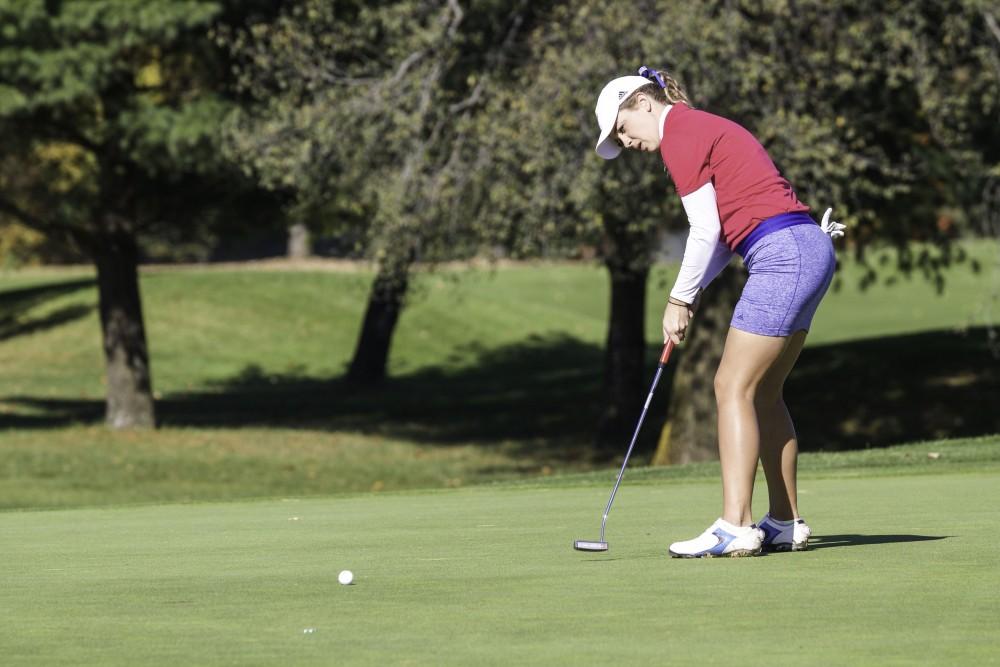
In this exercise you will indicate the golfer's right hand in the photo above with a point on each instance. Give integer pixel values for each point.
(676, 319)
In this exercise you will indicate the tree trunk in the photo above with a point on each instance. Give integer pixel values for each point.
(385, 302)
(691, 430)
(624, 354)
(129, 394)
(298, 242)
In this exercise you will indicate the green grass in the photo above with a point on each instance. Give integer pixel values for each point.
(88, 467)
(495, 374)
(902, 571)
(77, 466)
(920, 458)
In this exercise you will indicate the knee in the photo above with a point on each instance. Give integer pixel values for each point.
(731, 387)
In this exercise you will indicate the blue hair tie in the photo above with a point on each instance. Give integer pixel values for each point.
(652, 75)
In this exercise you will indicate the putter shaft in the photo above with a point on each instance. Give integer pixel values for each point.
(664, 357)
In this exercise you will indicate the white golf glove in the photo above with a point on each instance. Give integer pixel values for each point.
(832, 227)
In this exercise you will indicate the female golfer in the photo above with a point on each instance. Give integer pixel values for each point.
(736, 202)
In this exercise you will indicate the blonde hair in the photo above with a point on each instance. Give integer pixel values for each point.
(671, 94)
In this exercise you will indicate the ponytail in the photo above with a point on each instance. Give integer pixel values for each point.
(662, 88)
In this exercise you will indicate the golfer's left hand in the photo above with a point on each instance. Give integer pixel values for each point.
(832, 227)
(676, 320)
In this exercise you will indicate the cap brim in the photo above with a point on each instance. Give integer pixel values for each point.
(607, 147)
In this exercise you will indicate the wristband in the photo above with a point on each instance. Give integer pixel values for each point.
(678, 302)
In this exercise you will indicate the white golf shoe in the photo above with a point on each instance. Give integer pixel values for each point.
(785, 535)
(721, 539)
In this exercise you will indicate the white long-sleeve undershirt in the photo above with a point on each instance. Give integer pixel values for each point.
(704, 255)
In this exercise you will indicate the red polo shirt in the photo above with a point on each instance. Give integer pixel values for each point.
(699, 147)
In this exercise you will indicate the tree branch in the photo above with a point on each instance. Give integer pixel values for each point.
(456, 9)
(991, 23)
(27, 219)
(404, 66)
(496, 60)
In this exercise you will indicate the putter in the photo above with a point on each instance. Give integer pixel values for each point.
(601, 545)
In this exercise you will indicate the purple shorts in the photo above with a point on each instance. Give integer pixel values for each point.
(790, 270)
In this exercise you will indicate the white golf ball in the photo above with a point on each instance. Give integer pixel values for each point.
(345, 577)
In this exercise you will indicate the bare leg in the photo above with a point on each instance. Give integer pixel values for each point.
(779, 447)
(746, 361)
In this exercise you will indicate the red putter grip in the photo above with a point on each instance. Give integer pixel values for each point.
(667, 349)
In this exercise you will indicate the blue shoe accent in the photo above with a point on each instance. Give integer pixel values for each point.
(741, 542)
(781, 537)
(770, 532)
(724, 540)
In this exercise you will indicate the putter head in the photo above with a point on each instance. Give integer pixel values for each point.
(586, 545)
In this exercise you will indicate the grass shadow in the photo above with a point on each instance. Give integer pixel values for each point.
(545, 392)
(15, 303)
(827, 541)
(905, 388)
(13, 327)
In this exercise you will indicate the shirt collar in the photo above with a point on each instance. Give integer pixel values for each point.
(663, 118)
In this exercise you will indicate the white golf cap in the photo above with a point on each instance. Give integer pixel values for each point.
(608, 103)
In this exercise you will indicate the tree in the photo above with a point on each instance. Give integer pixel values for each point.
(363, 113)
(551, 190)
(109, 116)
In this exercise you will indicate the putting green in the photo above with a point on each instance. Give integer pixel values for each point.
(903, 570)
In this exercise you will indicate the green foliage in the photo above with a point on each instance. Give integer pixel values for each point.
(364, 111)
(887, 113)
(20, 246)
(111, 109)
(74, 60)
(865, 108)
(549, 190)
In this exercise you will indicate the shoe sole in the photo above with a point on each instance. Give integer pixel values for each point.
(739, 553)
